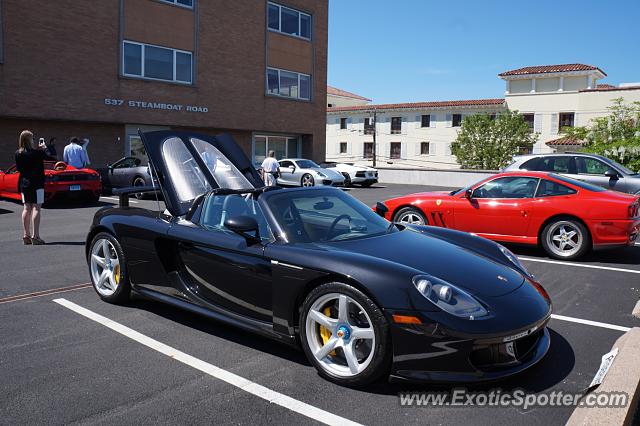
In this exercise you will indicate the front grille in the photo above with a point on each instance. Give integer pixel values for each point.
(504, 354)
(360, 174)
(327, 182)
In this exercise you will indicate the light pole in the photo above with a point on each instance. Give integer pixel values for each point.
(375, 130)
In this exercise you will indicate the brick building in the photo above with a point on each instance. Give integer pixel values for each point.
(104, 69)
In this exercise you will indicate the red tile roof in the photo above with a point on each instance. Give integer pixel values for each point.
(337, 92)
(565, 141)
(605, 86)
(610, 89)
(416, 105)
(543, 69)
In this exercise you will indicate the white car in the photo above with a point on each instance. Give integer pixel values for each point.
(353, 174)
(303, 172)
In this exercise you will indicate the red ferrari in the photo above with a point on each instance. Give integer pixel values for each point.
(565, 216)
(60, 179)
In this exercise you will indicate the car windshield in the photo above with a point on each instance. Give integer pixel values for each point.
(578, 183)
(306, 164)
(324, 215)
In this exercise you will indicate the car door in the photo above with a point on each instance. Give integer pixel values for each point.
(121, 172)
(220, 267)
(286, 172)
(593, 170)
(501, 206)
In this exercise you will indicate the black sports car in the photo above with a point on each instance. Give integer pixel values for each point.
(314, 267)
(125, 173)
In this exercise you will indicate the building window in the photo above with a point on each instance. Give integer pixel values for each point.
(343, 147)
(283, 146)
(369, 128)
(329, 105)
(343, 123)
(288, 84)
(426, 121)
(566, 120)
(456, 120)
(529, 119)
(368, 150)
(156, 63)
(289, 21)
(183, 3)
(396, 150)
(396, 125)
(425, 148)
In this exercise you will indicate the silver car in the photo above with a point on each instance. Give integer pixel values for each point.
(591, 168)
(302, 172)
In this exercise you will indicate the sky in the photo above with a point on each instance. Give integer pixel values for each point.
(425, 50)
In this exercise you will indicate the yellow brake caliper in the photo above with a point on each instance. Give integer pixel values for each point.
(325, 333)
(116, 273)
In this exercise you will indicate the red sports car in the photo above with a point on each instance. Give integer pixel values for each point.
(60, 178)
(566, 216)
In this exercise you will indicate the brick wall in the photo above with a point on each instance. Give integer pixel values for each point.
(55, 71)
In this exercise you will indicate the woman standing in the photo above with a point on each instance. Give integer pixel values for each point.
(29, 162)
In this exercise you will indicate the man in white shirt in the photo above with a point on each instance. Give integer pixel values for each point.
(75, 155)
(270, 169)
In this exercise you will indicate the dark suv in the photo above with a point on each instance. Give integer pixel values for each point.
(591, 168)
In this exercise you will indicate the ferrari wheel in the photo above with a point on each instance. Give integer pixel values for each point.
(107, 268)
(345, 335)
(347, 180)
(410, 216)
(307, 180)
(139, 182)
(566, 239)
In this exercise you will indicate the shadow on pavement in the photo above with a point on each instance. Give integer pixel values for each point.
(621, 255)
(5, 211)
(65, 243)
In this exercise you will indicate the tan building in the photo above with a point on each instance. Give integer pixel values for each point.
(256, 69)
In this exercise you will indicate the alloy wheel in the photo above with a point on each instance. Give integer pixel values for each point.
(564, 239)
(340, 335)
(307, 180)
(105, 267)
(411, 218)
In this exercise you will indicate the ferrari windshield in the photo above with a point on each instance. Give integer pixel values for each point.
(324, 215)
(307, 164)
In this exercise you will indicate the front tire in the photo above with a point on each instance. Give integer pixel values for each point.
(566, 238)
(307, 180)
(410, 216)
(107, 267)
(345, 335)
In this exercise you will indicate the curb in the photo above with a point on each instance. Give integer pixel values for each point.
(623, 376)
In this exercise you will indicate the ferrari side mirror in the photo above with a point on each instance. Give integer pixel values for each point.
(243, 226)
(611, 174)
(381, 209)
(468, 194)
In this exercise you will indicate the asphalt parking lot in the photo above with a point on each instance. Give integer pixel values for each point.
(166, 366)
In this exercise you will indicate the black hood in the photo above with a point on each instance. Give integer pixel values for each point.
(467, 269)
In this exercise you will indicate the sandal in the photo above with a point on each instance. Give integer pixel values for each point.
(37, 241)
(27, 241)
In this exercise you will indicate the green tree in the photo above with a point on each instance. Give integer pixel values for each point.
(616, 136)
(490, 144)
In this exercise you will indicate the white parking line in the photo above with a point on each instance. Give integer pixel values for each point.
(117, 199)
(260, 391)
(589, 322)
(581, 265)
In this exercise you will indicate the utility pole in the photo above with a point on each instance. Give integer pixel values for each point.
(375, 130)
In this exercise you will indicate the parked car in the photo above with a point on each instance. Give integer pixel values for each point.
(126, 172)
(567, 217)
(591, 168)
(315, 267)
(303, 172)
(61, 179)
(354, 174)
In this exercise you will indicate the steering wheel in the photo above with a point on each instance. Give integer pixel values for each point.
(333, 225)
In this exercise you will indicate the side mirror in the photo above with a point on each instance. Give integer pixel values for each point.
(611, 174)
(243, 225)
(381, 209)
(468, 194)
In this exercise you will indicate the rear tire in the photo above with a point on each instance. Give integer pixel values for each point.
(307, 180)
(139, 181)
(565, 238)
(410, 216)
(354, 348)
(108, 270)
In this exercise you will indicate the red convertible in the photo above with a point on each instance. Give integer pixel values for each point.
(60, 179)
(565, 216)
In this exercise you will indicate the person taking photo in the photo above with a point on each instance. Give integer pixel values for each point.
(30, 164)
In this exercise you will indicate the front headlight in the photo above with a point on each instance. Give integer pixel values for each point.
(321, 174)
(448, 297)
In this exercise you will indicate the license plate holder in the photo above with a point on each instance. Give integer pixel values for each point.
(75, 187)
